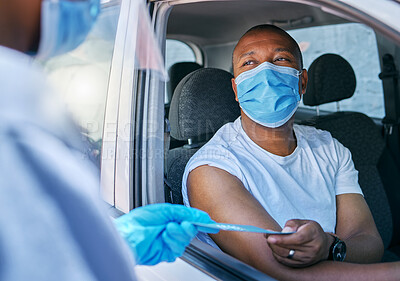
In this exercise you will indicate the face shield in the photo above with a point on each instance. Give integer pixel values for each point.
(147, 50)
(65, 25)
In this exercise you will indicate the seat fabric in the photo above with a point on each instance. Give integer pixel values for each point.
(331, 78)
(177, 160)
(177, 72)
(202, 103)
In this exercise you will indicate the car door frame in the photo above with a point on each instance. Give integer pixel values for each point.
(133, 144)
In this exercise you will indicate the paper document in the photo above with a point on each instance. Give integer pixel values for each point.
(236, 227)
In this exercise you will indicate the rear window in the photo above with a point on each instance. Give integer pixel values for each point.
(357, 44)
(178, 51)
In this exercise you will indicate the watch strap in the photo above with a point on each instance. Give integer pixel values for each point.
(337, 251)
(335, 241)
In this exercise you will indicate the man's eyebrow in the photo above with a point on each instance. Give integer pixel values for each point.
(246, 54)
(284, 50)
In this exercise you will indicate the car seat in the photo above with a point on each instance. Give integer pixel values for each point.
(176, 73)
(332, 79)
(203, 101)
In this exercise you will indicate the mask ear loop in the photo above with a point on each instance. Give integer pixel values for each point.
(301, 95)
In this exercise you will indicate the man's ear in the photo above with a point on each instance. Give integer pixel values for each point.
(304, 81)
(234, 88)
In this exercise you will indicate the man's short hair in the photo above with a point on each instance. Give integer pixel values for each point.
(267, 27)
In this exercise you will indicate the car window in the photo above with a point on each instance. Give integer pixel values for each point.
(357, 44)
(81, 78)
(178, 51)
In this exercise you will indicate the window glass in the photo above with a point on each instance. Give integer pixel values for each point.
(357, 44)
(81, 78)
(177, 51)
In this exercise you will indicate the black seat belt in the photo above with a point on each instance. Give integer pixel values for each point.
(390, 81)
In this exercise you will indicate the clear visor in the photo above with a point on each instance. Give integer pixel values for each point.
(148, 53)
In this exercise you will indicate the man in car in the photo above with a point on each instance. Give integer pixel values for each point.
(263, 170)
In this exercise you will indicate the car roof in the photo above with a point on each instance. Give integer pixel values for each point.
(219, 22)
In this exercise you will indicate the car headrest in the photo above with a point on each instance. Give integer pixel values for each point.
(330, 78)
(177, 72)
(203, 101)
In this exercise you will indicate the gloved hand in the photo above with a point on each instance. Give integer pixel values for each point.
(160, 232)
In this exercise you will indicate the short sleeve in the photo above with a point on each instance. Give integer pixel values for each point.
(215, 156)
(346, 179)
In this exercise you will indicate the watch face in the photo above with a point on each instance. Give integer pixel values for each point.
(339, 251)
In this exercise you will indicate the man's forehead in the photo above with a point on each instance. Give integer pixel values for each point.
(251, 43)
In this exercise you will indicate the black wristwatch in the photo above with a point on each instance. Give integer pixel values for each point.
(337, 251)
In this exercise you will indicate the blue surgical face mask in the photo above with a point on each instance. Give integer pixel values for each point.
(65, 25)
(269, 94)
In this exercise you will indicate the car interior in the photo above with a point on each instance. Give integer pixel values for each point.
(200, 98)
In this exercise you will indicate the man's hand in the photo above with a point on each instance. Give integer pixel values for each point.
(310, 244)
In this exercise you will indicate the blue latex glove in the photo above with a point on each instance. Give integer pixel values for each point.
(160, 232)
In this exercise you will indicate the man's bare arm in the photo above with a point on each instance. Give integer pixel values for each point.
(355, 225)
(226, 200)
(224, 197)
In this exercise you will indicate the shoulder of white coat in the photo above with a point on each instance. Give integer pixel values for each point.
(13, 62)
(27, 100)
(22, 81)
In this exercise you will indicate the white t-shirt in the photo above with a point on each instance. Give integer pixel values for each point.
(302, 185)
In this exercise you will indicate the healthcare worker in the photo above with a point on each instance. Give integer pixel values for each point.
(53, 226)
